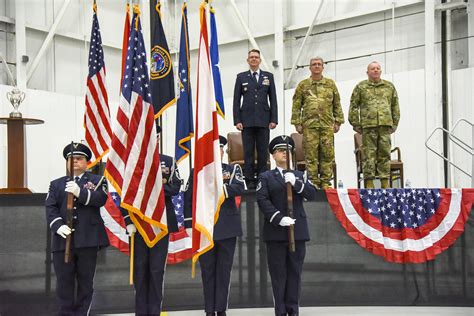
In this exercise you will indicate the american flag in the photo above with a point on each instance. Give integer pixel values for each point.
(134, 162)
(97, 114)
(114, 223)
(403, 225)
(401, 208)
(180, 246)
(110, 212)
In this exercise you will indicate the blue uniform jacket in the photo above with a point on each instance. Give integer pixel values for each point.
(259, 105)
(272, 201)
(89, 229)
(229, 224)
(171, 185)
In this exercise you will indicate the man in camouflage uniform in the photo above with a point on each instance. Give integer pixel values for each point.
(317, 114)
(374, 113)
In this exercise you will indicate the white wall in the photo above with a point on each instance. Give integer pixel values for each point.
(63, 117)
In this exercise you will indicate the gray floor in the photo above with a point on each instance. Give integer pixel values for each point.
(342, 311)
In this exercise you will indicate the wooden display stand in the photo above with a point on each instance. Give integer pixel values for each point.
(16, 154)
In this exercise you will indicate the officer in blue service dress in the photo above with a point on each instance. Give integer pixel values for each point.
(74, 286)
(216, 264)
(285, 267)
(149, 263)
(257, 113)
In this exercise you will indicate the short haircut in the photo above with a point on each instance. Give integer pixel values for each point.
(316, 58)
(254, 51)
(374, 62)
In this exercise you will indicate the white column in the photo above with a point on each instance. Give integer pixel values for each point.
(433, 165)
(470, 32)
(20, 42)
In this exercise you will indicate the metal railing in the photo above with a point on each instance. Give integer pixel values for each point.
(459, 142)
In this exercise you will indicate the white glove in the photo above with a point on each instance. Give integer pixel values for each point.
(131, 229)
(73, 188)
(63, 231)
(287, 221)
(189, 231)
(290, 177)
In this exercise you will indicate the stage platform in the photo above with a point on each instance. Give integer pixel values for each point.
(337, 271)
(339, 311)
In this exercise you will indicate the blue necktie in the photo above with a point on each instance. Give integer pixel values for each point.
(255, 76)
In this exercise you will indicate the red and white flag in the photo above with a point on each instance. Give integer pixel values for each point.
(98, 133)
(133, 166)
(208, 194)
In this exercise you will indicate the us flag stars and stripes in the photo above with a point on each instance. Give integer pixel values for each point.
(134, 162)
(178, 202)
(402, 225)
(401, 208)
(98, 133)
(135, 70)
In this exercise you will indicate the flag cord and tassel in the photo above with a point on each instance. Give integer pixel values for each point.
(132, 254)
(136, 10)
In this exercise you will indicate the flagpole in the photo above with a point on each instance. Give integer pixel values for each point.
(132, 255)
(160, 119)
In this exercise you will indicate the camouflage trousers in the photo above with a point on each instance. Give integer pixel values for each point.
(318, 146)
(376, 146)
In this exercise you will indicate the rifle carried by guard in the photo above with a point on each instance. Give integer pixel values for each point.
(289, 193)
(69, 206)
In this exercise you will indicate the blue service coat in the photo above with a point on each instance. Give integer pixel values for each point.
(259, 100)
(272, 201)
(89, 229)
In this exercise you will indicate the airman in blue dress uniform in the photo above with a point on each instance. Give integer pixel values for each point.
(255, 115)
(285, 267)
(88, 234)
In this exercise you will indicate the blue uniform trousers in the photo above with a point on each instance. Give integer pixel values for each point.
(216, 267)
(80, 269)
(255, 137)
(149, 270)
(285, 269)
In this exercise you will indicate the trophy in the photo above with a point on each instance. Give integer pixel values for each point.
(15, 97)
